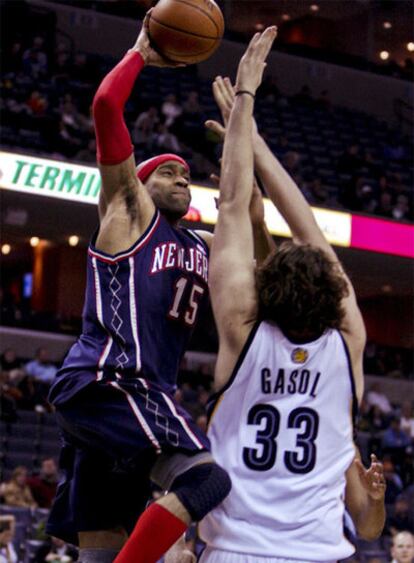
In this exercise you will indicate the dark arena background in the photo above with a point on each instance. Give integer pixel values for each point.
(336, 107)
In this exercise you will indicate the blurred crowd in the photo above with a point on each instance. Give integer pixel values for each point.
(46, 108)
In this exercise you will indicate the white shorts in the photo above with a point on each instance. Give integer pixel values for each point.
(212, 555)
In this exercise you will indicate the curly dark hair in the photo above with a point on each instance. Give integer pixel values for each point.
(301, 289)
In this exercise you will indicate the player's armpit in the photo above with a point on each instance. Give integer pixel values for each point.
(122, 187)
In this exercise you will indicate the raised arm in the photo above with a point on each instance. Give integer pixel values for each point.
(231, 277)
(288, 199)
(263, 241)
(125, 208)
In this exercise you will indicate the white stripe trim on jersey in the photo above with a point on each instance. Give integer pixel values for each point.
(132, 250)
(103, 357)
(184, 424)
(99, 314)
(139, 416)
(98, 297)
(198, 238)
(133, 313)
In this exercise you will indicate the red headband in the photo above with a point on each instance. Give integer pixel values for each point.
(146, 168)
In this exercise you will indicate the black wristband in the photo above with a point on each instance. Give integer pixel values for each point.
(239, 92)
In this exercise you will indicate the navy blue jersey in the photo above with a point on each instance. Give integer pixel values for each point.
(140, 309)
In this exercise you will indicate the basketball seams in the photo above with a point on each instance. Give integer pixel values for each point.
(182, 56)
(183, 30)
(204, 13)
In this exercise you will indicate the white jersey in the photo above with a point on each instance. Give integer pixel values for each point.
(282, 427)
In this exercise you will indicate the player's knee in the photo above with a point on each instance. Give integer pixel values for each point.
(202, 488)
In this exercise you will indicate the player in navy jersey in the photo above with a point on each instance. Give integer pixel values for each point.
(146, 287)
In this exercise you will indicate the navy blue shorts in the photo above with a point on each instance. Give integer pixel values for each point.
(113, 433)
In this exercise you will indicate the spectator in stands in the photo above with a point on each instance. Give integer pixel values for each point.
(13, 59)
(371, 164)
(401, 210)
(407, 419)
(35, 61)
(170, 109)
(166, 141)
(7, 399)
(376, 419)
(37, 103)
(87, 154)
(81, 71)
(7, 527)
(385, 207)
(394, 150)
(365, 199)
(61, 70)
(192, 106)
(350, 161)
(68, 144)
(145, 127)
(402, 549)
(401, 518)
(16, 492)
(43, 486)
(61, 552)
(71, 117)
(41, 368)
(395, 441)
(315, 192)
(392, 480)
(375, 396)
(10, 364)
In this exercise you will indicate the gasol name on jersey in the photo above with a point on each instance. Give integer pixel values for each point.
(171, 255)
(301, 381)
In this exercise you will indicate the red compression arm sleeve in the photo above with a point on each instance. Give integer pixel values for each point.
(112, 137)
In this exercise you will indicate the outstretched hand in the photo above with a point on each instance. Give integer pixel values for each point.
(149, 54)
(224, 95)
(223, 92)
(252, 63)
(372, 479)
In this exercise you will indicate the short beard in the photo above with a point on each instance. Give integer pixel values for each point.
(172, 216)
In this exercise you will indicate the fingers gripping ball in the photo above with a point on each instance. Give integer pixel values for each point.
(186, 31)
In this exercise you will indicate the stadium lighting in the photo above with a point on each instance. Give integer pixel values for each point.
(387, 25)
(34, 241)
(410, 46)
(314, 8)
(384, 55)
(73, 240)
(5, 249)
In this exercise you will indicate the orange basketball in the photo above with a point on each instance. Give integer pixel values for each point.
(186, 31)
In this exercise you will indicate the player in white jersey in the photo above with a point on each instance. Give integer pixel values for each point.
(289, 369)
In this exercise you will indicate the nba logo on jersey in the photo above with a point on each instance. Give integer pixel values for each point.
(299, 355)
